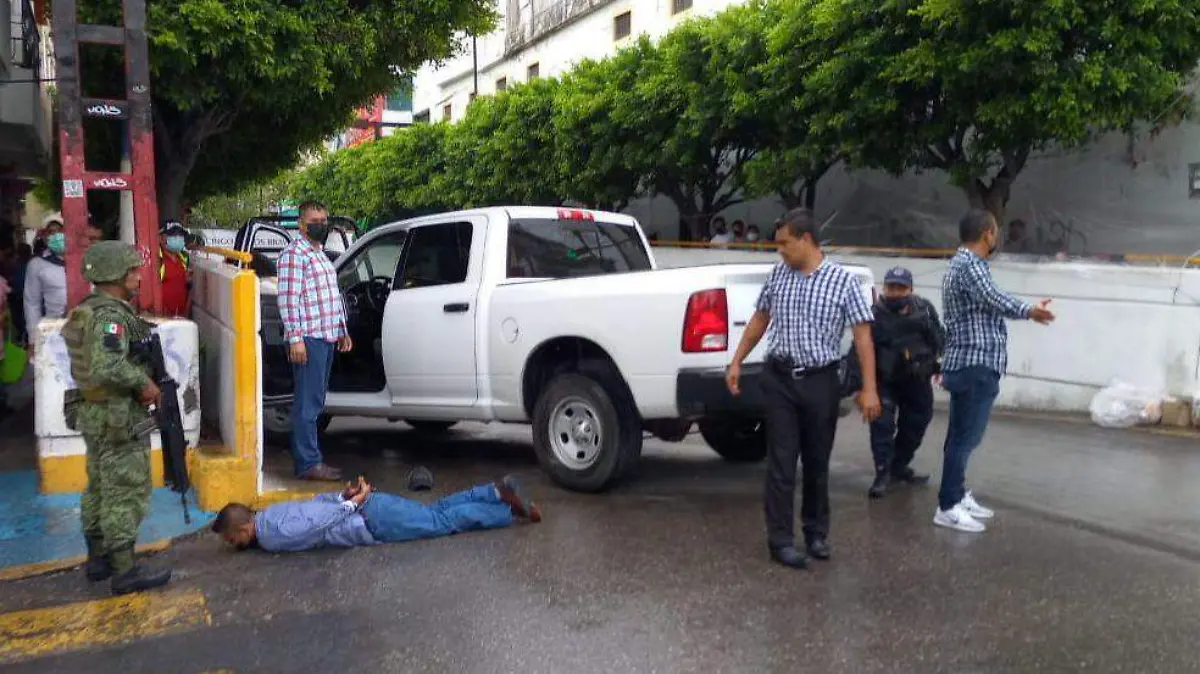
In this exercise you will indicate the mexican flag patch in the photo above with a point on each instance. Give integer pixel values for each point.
(114, 329)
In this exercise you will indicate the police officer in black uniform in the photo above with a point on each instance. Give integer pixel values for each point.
(909, 339)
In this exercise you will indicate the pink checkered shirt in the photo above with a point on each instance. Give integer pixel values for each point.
(310, 303)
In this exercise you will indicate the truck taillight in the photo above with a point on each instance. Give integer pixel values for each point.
(706, 324)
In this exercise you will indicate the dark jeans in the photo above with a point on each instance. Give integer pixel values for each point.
(311, 380)
(802, 418)
(972, 392)
(897, 433)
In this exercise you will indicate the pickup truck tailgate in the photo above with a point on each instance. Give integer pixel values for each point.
(742, 288)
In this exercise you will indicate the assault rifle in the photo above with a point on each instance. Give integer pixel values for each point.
(169, 421)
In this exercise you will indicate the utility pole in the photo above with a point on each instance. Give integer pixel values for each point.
(134, 112)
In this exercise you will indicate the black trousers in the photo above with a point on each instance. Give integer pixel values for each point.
(802, 414)
(897, 433)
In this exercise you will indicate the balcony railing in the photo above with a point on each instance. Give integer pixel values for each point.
(26, 41)
(529, 20)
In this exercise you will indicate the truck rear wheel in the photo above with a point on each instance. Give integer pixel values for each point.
(586, 431)
(277, 425)
(736, 440)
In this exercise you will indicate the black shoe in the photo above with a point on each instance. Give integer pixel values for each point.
(790, 557)
(818, 548)
(140, 578)
(880, 486)
(909, 476)
(98, 567)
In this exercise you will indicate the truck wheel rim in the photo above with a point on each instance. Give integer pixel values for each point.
(575, 433)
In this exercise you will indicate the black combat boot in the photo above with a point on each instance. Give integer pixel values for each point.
(97, 567)
(879, 487)
(138, 577)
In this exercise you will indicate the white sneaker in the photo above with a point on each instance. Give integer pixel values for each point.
(974, 509)
(959, 519)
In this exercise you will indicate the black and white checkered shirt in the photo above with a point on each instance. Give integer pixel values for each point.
(810, 312)
(974, 310)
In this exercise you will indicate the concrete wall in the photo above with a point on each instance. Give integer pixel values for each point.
(226, 311)
(1139, 324)
(61, 451)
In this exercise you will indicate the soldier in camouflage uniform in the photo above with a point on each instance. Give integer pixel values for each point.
(108, 409)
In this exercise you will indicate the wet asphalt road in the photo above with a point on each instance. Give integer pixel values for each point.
(1091, 566)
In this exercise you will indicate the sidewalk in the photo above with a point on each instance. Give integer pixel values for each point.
(40, 533)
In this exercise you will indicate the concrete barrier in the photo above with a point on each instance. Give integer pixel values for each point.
(225, 308)
(62, 455)
(1139, 324)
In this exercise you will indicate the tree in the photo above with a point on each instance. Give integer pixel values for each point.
(241, 89)
(599, 155)
(695, 112)
(974, 89)
(502, 152)
(793, 160)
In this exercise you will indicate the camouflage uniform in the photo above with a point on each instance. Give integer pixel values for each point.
(98, 334)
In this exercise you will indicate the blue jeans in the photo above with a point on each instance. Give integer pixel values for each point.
(310, 381)
(972, 392)
(393, 519)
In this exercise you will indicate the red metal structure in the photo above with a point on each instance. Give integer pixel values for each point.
(134, 111)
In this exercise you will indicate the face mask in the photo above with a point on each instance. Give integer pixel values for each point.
(896, 303)
(176, 243)
(752, 236)
(318, 232)
(57, 243)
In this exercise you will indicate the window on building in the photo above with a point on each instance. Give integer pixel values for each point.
(678, 6)
(502, 84)
(533, 71)
(447, 112)
(401, 99)
(422, 117)
(622, 25)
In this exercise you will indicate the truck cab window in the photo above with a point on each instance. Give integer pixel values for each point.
(438, 255)
(378, 259)
(573, 248)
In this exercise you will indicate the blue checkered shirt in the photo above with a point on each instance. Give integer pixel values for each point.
(810, 312)
(974, 310)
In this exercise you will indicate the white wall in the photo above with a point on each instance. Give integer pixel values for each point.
(1140, 324)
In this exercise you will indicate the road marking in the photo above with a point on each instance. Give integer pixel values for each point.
(27, 634)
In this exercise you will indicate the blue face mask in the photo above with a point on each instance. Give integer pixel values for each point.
(57, 243)
(176, 243)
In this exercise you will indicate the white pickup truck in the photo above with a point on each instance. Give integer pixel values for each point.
(555, 317)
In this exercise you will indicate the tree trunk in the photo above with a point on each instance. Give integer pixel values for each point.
(992, 198)
(171, 181)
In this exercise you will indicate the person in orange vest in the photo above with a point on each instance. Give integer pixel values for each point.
(174, 271)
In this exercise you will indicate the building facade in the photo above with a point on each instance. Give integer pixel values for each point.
(26, 65)
(381, 118)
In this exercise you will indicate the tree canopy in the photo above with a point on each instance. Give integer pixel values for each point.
(241, 89)
(764, 98)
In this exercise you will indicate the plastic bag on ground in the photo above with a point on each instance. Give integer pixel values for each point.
(1123, 405)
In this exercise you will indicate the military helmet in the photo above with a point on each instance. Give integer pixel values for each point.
(109, 261)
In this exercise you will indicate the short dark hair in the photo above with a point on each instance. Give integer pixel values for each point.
(232, 515)
(975, 224)
(799, 221)
(307, 206)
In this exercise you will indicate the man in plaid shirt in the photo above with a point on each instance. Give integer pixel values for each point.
(314, 322)
(975, 359)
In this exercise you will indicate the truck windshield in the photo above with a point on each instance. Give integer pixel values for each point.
(553, 248)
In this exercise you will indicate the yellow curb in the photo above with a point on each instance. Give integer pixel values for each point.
(42, 568)
(102, 622)
(270, 498)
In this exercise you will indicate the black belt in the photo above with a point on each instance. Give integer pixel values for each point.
(786, 368)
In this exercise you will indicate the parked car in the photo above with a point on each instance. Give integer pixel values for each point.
(553, 317)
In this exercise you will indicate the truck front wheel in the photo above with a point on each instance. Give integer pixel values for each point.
(586, 432)
(736, 440)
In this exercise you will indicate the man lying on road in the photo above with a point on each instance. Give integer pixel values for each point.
(361, 516)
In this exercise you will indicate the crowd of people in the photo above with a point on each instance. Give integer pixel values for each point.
(33, 286)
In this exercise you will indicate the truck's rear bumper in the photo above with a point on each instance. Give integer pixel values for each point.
(701, 392)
